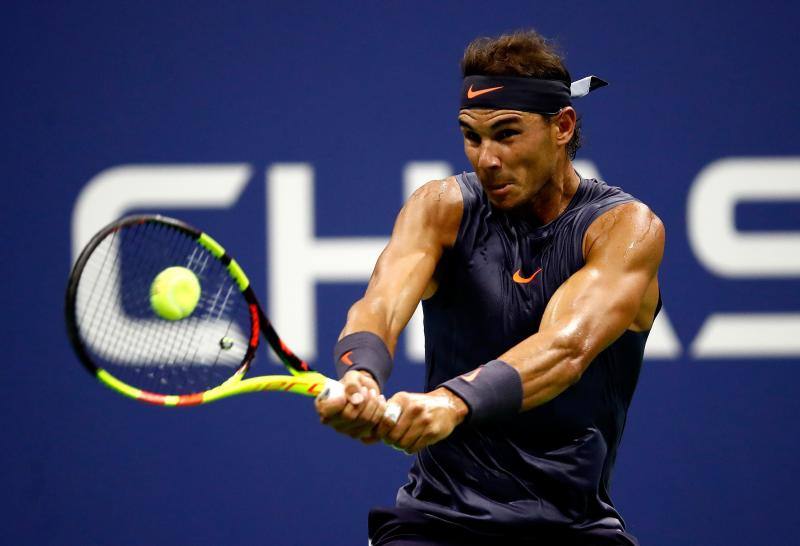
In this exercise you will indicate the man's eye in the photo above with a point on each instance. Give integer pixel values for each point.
(505, 134)
(472, 137)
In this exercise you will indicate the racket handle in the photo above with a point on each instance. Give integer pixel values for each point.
(334, 389)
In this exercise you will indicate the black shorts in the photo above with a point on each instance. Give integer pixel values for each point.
(392, 526)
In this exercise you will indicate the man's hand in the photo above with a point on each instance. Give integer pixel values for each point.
(425, 419)
(358, 411)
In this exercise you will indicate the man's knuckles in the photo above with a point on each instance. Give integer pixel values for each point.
(351, 412)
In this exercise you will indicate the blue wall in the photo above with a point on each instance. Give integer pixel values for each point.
(358, 91)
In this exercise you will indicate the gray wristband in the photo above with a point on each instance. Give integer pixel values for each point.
(493, 392)
(363, 351)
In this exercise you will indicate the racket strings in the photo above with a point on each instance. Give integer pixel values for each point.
(106, 298)
(165, 336)
(122, 345)
(95, 298)
(118, 347)
(123, 333)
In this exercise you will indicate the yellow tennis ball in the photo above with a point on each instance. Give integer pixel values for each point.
(174, 293)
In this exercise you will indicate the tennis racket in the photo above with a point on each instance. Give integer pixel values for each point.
(131, 348)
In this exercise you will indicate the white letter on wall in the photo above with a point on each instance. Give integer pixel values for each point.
(298, 259)
(727, 252)
(117, 190)
(712, 223)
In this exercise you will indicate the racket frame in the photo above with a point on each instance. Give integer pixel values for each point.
(303, 380)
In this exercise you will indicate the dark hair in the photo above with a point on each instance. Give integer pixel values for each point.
(521, 53)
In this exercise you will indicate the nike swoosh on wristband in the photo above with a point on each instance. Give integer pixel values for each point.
(519, 279)
(472, 94)
(346, 358)
(470, 377)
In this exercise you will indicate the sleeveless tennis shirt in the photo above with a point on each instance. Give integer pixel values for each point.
(548, 469)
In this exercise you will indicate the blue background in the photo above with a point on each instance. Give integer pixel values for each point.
(358, 90)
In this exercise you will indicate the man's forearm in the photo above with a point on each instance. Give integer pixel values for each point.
(548, 363)
(368, 315)
(530, 374)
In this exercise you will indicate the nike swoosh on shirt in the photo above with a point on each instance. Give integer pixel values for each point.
(519, 279)
(472, 94)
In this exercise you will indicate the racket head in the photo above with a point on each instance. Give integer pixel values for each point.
(120, 339)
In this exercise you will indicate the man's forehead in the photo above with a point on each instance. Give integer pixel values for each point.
(487, 116)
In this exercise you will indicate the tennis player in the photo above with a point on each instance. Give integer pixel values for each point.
(539, 289)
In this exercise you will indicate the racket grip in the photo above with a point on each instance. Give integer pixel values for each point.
(332, 389)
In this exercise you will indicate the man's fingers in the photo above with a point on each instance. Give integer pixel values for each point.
(392, 432)
(392, 412)
(354, 392)
(330, 407)
(369, 438)
(412, 435)
(359, 420)
(422, 441)
(358, 411)
(371, 409)
(417, 426)
(359, 432)
(387, 422)
(358, 387)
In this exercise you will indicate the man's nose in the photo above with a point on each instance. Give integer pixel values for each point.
(487, 158)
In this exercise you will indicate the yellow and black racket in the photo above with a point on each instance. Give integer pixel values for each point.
(159, 312)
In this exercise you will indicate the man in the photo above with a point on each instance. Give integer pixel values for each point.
(539, 288)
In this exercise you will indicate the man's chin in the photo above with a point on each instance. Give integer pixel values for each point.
(503, 203)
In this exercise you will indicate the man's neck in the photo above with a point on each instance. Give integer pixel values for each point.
(556, 194)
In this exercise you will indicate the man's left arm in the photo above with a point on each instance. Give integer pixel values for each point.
(595, 306)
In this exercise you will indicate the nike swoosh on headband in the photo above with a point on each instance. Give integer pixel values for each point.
(477, 93)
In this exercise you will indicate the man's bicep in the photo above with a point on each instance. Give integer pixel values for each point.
(602, 299)
(626, 238)
(427, 223)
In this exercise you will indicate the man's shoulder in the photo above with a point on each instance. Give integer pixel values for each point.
(630, 224)
(595, 190)
(438, 204)
(604, 204)
(438, 196)
(632, 212)
(612, 213)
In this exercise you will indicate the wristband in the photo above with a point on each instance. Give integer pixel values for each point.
(492, 393)
(363, 351)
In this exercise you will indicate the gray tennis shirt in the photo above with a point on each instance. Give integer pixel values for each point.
(550, 466)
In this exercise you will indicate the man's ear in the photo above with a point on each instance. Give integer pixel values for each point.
(564, 124)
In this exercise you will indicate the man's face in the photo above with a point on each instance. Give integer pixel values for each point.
(514, 153)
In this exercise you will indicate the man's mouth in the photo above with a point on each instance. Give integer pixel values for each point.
(498, 190)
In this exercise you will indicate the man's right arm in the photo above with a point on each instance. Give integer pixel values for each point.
(404, 274)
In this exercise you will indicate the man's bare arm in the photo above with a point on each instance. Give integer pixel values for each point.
(427, 224)
(596, 304)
